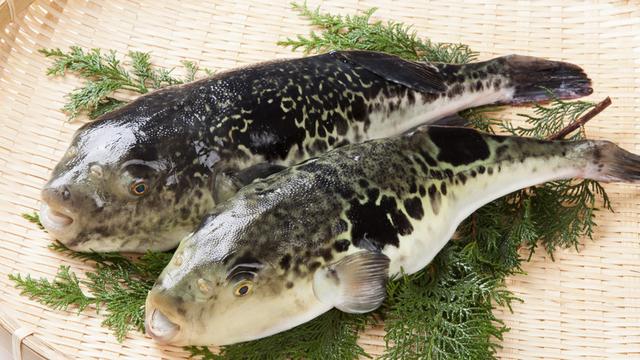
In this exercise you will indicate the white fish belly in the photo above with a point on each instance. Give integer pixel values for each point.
(410, 116)
(434, 230)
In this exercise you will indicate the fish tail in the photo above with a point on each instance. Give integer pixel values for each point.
(608, 162)
(517, 79)
(536, 79)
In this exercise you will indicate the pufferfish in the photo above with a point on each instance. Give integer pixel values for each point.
(142, 177)
(330, 231)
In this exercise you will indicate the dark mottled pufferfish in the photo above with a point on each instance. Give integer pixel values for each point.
(330, 231)
(142, 177)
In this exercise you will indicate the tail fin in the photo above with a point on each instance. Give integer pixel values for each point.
(534, 79)
(610, 163)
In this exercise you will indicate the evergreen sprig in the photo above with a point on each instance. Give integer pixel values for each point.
(444, 311)
(105, 75)
(117, 284)
(59, 294)
(34, 217)
(339, 32)
(548, 120)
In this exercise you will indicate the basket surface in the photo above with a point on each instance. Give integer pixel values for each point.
(584, 305)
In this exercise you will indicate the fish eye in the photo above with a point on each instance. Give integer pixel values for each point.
(243, 288)
(139, 187)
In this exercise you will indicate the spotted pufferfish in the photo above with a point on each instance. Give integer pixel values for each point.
(330, 231)
(142, 177)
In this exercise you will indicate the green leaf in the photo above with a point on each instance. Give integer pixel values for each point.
(360, 32)
(107, 104)
(89, 97)
(118, 285)
(105, 75)
(34, 217)
(548, 120)
(59, 294)
(191, 69)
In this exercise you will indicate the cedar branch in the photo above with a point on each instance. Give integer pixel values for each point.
(582, 120)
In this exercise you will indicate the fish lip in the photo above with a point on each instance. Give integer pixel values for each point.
(59, 221)
(152, 314)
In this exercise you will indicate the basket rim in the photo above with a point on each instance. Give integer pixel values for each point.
(38, 345)
(11, 9)
(32, 346)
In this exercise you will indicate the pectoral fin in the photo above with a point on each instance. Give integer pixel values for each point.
(354, 284)
(452, 120)
(226, 184)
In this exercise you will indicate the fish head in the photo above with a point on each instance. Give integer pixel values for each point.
(118, 189)
(219, 290)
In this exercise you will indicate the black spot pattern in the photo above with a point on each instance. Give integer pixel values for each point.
(435, 198)
(414, 207)
(314, 266)
(459, 146)
(326, 254)
(428, 158)
(365, 196)
(371, 221)
(341, 245)
(285, 262)
(501, 150)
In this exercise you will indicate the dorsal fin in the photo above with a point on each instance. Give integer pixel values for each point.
(418, 76)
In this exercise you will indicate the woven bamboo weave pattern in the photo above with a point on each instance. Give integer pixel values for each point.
(584, 305)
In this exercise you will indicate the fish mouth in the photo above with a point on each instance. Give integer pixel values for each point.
(58, 221)
(159, 327)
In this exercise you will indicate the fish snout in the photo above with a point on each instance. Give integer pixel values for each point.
(56, 213)
(56, 193)
(159, 327)
(156, 323)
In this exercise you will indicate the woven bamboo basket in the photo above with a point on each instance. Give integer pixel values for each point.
(586, 304)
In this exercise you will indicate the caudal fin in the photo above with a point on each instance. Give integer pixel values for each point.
(536, 79)
(610, 163)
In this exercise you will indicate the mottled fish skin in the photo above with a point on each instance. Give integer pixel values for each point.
(402, 197)
(182, 140)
